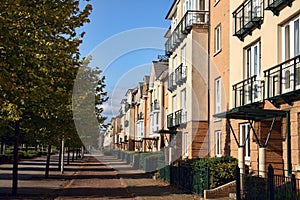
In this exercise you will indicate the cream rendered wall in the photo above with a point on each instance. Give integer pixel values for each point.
(270, 38)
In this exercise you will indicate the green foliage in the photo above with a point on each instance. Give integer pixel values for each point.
(39, 59)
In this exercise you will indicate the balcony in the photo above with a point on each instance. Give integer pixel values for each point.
(248, 92)
(248, 17)
(277, 5)
(190, 19)
(154, 106)
(283, 82)
(180, 74)
(172, 82)
(176, 119)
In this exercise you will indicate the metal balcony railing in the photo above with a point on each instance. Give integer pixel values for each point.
(247, 92)
(176, 119)
(248, 17)
(180, 74)
(283, 78)
(277, 5)
(190, 19)
(172, 82)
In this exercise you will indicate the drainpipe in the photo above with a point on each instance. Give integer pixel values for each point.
(208, 80)
(288, 144)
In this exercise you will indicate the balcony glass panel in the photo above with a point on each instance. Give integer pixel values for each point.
(283, 78)
(247, 92)
(248, 17)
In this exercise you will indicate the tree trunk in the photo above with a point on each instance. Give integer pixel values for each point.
(73, 154)
(76, 153)
(2, 148)
(48, 162)
(62, 155)
(68, 159)
(59, 158)
(16, 159)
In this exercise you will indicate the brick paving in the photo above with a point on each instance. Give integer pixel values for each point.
(94, 177)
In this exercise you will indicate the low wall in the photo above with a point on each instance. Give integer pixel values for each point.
(219, 192)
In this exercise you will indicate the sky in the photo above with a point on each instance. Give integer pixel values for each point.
(123, 38)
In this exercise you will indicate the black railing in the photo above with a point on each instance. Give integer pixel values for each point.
(271, 187)
(172, 82)
(180, 74)
(184, 27)
(248, 17)
(176, 119)
(248, 91)
(277, 5)
(283, 78)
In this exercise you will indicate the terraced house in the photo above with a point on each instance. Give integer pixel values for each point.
(187, 48)
(264, 78)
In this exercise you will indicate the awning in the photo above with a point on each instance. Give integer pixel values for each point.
(252, 115)
(255, 114)
(164, 131)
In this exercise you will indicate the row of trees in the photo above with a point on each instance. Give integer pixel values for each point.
(39, 61)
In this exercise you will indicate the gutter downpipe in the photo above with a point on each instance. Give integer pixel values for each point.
(288, 144)
(208, 79)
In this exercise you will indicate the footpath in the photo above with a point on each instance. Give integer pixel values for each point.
(93, 177)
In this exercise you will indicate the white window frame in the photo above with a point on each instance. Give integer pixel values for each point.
(218, 39)
(218, 139)
(174, 103)
(293, 40)
(186, 144)
(218, 95)
(244, 130)
(252, 68)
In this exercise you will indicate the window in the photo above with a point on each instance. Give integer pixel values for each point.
(183, 59)
(252, 68)
(183, 99)
(218, 95)
(252, 65)
(174, 101)
(183, 56)
(290, 49)
(218, 138)
(186, 144)
(245, 139)
(218, 38)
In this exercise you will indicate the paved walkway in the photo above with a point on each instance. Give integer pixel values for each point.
(94, 177)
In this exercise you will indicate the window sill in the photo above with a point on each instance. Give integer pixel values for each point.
(216, 53)
(219, 155)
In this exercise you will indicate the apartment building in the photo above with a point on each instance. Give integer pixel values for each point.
(115, 122)
(157, 112)
(219, 71)
(187, 49)
(263, 115)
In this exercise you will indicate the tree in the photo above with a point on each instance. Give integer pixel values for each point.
(88, 97)
(39, 60)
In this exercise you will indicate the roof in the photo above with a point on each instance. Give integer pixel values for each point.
(159, 67)
(171, 10)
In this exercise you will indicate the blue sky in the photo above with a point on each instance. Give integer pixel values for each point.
(123, 37)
